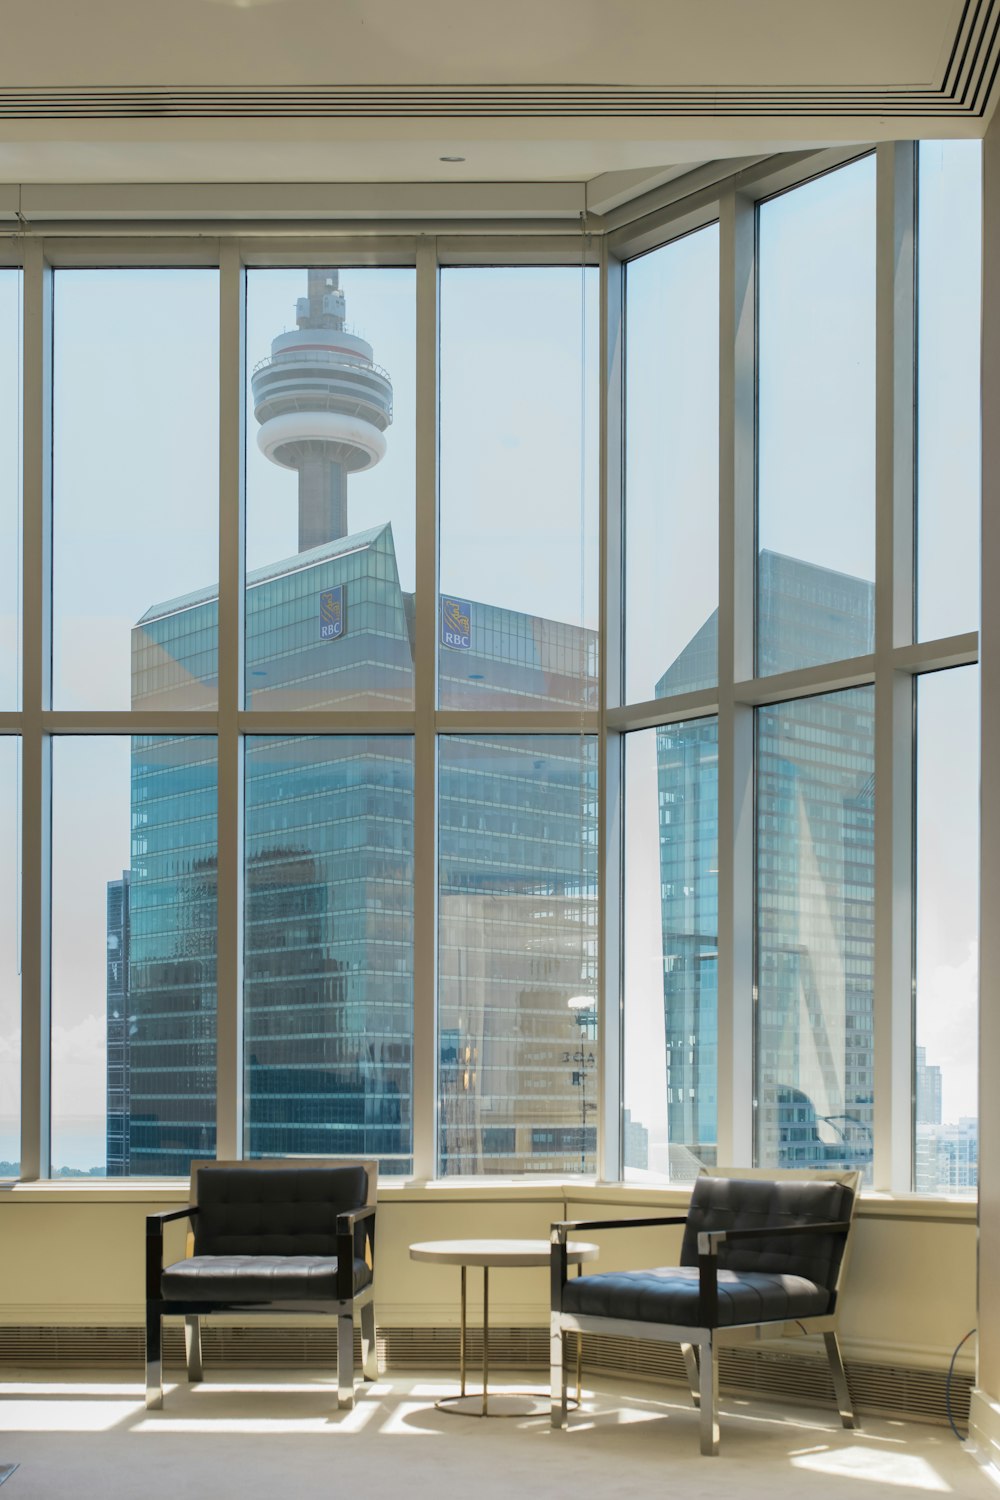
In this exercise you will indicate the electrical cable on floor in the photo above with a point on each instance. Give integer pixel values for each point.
(947, 1385)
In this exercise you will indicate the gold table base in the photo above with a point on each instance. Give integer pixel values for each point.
(448, 1403)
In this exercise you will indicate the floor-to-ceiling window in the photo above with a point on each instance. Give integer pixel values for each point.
(811, 754)
(485, 711)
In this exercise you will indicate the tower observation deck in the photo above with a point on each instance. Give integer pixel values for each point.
(323, 406)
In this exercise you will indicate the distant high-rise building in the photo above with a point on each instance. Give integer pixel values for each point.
(946, 1154)
(814, 893)
(687, 757)
(947, 1157)
(928, 1090)
(116, 990)
(635, 1142)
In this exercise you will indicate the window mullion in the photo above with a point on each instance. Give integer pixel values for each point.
(424, 1056)
(610, 811)
(36, 818)
(229, 963)
(894, 501)
(736, 572)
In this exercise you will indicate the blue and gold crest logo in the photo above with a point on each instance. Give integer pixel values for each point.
(331, 613)
(456, 624)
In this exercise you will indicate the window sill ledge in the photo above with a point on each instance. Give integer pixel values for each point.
(571, 1195)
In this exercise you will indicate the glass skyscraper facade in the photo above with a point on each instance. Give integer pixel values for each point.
(814, 888)
(328, 982)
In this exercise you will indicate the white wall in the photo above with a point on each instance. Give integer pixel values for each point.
(75, 1255)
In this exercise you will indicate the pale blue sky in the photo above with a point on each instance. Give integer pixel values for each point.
(671, 453)
(135, 487)
(816, 373)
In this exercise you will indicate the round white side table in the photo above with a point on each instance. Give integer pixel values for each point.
(492, 1253)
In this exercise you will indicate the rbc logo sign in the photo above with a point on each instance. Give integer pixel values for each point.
(331, 613)
(456, 624)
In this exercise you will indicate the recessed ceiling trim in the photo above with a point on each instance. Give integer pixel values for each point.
(597, 102)
(972, 66)
(969, 75)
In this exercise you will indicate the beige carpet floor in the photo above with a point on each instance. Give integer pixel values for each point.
(273, 1437)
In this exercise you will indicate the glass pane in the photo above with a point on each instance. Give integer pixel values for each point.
(672, 468)
(328, 955)
(10, 487)
(671, 950)
(135, 454)
(517, 953)
(518, 418)
(330, 488)
(10, 958)
(816, 422)
(815, 931)
(134, 919)
(948, 450)
(947, 932)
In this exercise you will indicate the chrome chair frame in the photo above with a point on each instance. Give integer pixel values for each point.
(342, 1307)
(700, 1342)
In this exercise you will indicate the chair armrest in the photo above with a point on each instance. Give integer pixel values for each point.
(154, 1244)
(560, 1232)
(346, 1224)
(565, 1227)
(709, 1241)
(187, 1212)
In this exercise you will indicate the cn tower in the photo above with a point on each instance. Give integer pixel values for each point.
(323, 406)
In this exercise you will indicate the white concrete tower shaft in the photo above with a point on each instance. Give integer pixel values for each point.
(323, 406)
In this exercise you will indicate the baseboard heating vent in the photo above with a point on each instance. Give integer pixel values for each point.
(73, 1345)
(437, 1348)
(888, 1390)
(125, 1346)
(263, 1344)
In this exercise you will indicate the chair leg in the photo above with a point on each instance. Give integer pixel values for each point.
(369, 1348)
(557, 1351)
(345, 1361)
(840, 1386)
(691, 1366)
(154, 1358)
(709, 1380)
(192, 1347)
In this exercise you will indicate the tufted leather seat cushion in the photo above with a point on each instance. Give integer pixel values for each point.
(670, 1295)
(286, 1211)
(257, 1278)
(750, 1203)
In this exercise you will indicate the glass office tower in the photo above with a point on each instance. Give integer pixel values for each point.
(329, 882)
(814, 886)
(117, 989)
(329, 878)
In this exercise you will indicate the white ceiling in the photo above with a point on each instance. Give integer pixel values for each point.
(351, 91)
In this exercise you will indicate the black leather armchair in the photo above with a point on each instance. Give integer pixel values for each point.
(761, 1255)
(285, 1236)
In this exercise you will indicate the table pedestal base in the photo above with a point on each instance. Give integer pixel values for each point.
(478, 1403)
(501, 1404)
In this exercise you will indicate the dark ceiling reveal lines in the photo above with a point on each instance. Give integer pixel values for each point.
(970, 75)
